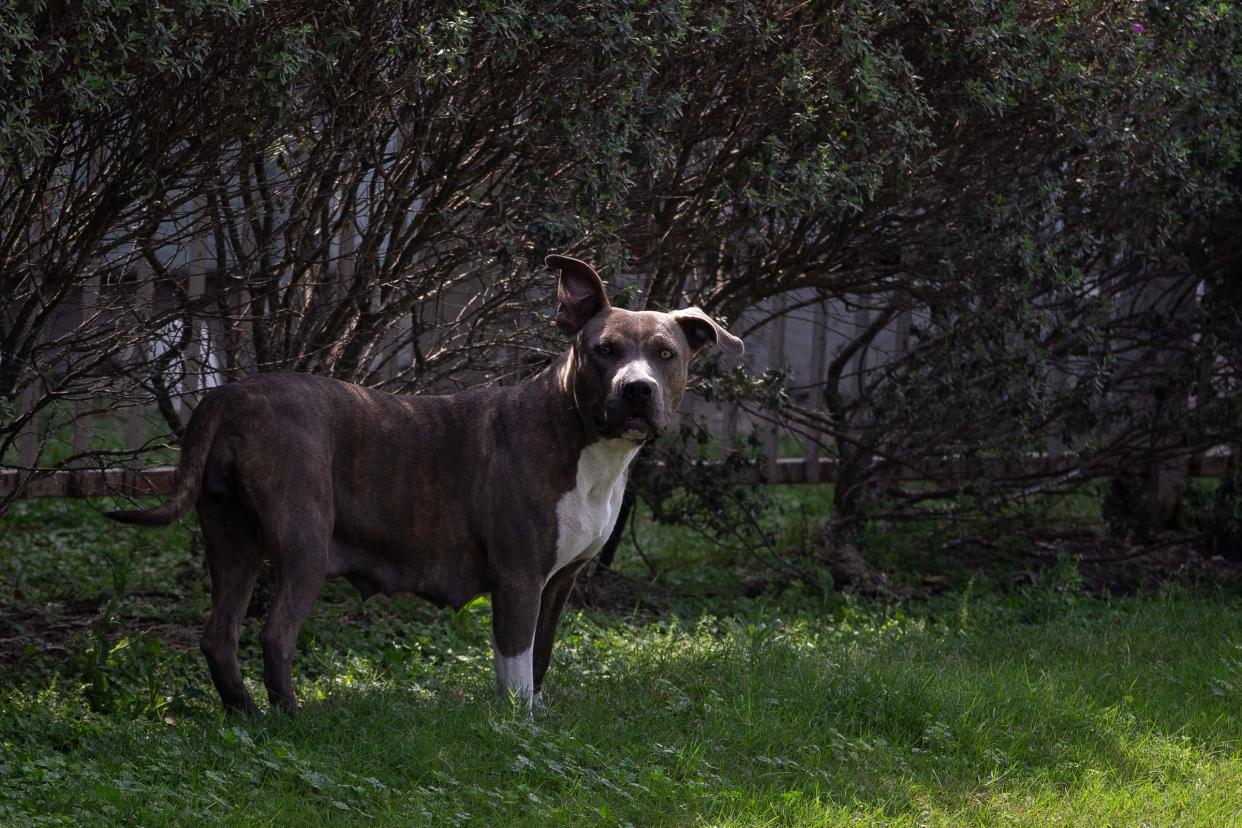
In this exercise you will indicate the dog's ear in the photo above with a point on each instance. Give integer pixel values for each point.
(700, 329)
(579, 295)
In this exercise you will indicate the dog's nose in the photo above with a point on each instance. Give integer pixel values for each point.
(638, 391)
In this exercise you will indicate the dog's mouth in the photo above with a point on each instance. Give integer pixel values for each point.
(635, 428)
(638, 429)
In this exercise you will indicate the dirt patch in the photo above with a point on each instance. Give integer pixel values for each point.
(1116, 567)
(607, 589)
(30, 635)
(1105, 566)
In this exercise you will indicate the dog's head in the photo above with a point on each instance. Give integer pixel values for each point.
(627, 369)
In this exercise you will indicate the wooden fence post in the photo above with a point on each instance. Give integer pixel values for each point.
(862, 319)
(83, 421)
(905, 325)
(776, 357)
(1166, 464)
(729, 435)
(135, 427)
(28, 437)
(819, 358)
(195, 353)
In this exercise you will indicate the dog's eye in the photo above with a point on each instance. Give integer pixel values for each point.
(603, 349)
(666, 353)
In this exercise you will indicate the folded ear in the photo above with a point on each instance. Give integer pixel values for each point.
(579, 294)
(700, 329)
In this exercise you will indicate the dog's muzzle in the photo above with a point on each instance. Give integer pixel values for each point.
(630, 412)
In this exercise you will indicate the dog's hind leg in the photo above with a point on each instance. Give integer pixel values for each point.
(234, 558)
(300, 551)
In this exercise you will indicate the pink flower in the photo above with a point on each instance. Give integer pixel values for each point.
(1139, 28)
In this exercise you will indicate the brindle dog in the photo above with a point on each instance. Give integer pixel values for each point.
(507, 490)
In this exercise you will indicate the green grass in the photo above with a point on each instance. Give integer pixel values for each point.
(1037, 707)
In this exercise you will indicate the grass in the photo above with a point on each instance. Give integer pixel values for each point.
(1037, 706)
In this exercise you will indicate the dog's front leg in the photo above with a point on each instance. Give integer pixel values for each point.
(551, 604)
(515, 614)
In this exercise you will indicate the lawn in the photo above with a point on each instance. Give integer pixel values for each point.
(1035, 705)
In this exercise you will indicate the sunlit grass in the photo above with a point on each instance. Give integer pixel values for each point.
(1039, 707)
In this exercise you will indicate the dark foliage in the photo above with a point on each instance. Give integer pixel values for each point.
(1038, 193)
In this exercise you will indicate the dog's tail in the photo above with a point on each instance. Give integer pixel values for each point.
(200, 433)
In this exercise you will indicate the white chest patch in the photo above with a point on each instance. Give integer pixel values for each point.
(586, 513)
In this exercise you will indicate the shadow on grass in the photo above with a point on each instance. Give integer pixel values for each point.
(729, 720)
(1092, 708)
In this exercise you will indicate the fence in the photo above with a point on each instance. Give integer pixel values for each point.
(803, 342)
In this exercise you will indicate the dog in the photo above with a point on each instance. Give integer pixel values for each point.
(508, 490)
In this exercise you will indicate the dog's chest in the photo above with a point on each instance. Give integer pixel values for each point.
(586, 513)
